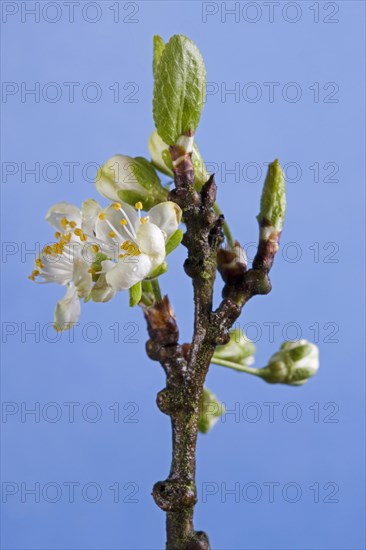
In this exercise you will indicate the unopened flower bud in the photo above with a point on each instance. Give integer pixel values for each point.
(293, 364)
(161, 159)
(210, 412)
(232, 263)
(239, 349)
(273, 201)
(131, 180)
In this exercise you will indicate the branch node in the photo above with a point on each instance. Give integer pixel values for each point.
(216, 235)
(153, 350)
(169, 401)
(174, 494)
(257, 282)
(161, 323)
(199, 542)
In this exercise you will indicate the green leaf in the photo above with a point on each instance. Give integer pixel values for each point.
(179, 90)
(210, 411)
(174, 240)
(159, 46)
(135, 294)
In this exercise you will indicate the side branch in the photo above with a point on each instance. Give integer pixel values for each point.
(242, 285)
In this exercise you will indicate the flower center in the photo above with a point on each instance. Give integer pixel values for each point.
(129, 246)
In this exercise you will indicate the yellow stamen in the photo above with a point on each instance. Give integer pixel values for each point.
(64, 223)
(95, 248)
(138, 205)
(72, 224)
(112, 234)
(145, 219)
(78, 232)
(123, 221)
(33, 275)
(131, 248)
(102, 216)
(116, 205)
(57, 235)
(83, 237)
(57, 248)
(39, 263)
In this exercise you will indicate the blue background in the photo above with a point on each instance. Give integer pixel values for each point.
(309, 291)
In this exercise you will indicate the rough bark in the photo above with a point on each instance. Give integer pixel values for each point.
(186, 366)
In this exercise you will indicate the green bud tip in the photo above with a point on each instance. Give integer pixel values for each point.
(273, 200)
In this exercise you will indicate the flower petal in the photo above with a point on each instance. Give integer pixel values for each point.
(150, 240)
(128, 271)
(63, 210)
(166, 216)
(102, 291)
(67, 311)
(89, 214)
(113, 216)
(55, 269)
(82, 278)
(107, 265)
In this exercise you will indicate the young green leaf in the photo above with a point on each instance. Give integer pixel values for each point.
(179, 90)
(135, 294)
(159, 46)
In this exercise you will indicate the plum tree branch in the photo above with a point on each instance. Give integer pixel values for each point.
(186, 366)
